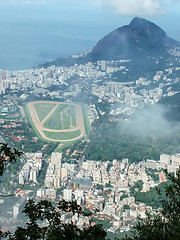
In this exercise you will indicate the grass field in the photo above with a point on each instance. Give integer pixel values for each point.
(43, 109)
(64, 117)
(72, 115)
(86, 120)
(54, 121)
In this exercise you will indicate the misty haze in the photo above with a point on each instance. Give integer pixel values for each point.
(151, 120)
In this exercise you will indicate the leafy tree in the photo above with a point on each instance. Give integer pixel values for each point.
(7, 156)
(126, 206)
(99, 186)
(108, 185)
(45, 223)
(123, 196)
(151, 198)
(138, 185)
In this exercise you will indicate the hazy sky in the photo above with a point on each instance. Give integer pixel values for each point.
(56, 24)
(115, 13)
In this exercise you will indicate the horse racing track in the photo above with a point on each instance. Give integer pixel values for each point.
(57, 121)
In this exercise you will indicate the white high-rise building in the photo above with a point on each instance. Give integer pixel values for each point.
(67, 194)
(57, 182)
(15, 210)
(21, 178)
(40, 192)
(176, 158)
(64, 172)
(165, 159)
(78, 194)
(33, 175)
(56, 158)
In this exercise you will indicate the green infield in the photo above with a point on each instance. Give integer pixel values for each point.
(54, 121)
(42, 109)
(64, 117)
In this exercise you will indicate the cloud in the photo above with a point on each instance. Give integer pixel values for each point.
(139, 7)
(150, 120)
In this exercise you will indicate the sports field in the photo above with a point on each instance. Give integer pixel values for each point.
(57, 121)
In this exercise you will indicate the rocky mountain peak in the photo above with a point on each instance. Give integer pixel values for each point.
(145, 27)
(140, 38)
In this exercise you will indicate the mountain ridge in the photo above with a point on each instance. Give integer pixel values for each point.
(141, 37)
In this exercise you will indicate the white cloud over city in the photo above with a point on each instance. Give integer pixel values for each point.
(139, 7)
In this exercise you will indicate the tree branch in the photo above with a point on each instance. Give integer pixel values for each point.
(13, 194)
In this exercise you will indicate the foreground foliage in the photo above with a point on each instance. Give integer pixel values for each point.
(44, 222)
(8, 155)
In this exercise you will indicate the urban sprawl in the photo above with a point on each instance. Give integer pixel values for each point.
(105, 186)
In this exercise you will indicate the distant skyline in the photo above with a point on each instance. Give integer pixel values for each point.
(32, 31)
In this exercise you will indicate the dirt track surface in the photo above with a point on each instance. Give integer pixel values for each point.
(39, 125)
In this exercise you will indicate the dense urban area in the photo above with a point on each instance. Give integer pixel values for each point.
(119, 189)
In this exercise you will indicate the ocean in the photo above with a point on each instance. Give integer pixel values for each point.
(27, 44)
